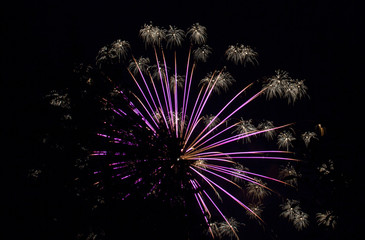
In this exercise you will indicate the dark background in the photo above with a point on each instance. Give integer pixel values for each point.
(318, 41)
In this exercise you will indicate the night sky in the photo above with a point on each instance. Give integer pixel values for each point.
(43, 40)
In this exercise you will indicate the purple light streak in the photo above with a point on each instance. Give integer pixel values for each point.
(237, 137)
(226, 192)
(220, 212)
(238, 173)
(225, 119)
(217, 175)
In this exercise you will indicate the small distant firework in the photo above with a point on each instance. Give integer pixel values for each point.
(256, 208)
(265, 125)
(282, 85)
(292, 211)
(246, 127)
(289, 209)
(34, 173)
(300, 220)
(229, 228)
(326, 168)
(257, 190)
(289, 175)
(308, 136)
(327, 219)
(285, 139)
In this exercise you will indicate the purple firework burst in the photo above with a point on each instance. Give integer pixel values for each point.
(159, 142)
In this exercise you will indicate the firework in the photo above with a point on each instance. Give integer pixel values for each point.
(162, 143)
(327, 219)
(289, 209)
(257, 208)
(308, 136)
(265, 125)
(240, 54)
(289, 175)
(326, 168)
(300, 220)
(292, 211)
(246, 127)
(282, 85)
(257, 190)
(285, 139)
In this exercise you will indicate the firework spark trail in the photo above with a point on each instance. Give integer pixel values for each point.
(226, 192)
(159, 102)
(196, 186)
(136, 111)
(188, 130)
(214, 204)
(218, 114)
(162, 84)
(241, 136)
(167, 85)
(214, 136)
(202, 205)
(228, 155)
(176, 97)
(144, 80)
(243, 174)
(186, 91)
(144, 96)
(201, 104)
(205, 99)
(203, 169)
(149, 114)
(210, 154)
(225, 119)
(232, 139)
(194, 116)
(210, 199)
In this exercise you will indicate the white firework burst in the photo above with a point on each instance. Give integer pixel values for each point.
(327, 219)
(59, 99)
(197, 34)
(214, 230)
(289, 175)
(229, 228)
(308, 136)
(102, 56)
(326, 168)
(158, 71)
(34, 173)
(257, 189)
(152, 35)
(285, 139)
(267, 125)
(289, 209)
(119, 49)
(300, 220)
(282, 85)
(241, 54)
(142, 64)
(221, 81)
(239, 172)
(210, 120)
(202, 53)
(174, 37)
(257, 209)
(178, 80)
(245, 127)
(275, 84)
